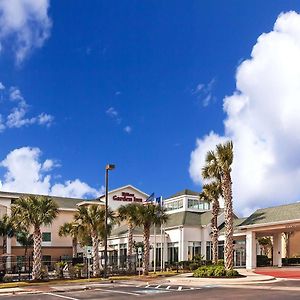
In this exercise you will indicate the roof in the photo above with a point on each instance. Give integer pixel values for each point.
(62, 202)
(236, 223)
(274, 214)
(189, 218)
(184, 192)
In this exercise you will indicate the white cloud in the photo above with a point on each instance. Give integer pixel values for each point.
(75, 189)
(18, 116)
(2, 87)
(111, 112)
(24, 26)
(263, 120)
(128, 129)
(204, 92)
(26, 173)
(45, 119)
(114, 114)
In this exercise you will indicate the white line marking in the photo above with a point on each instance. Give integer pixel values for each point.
(179, 288)
(60, 296)
(147, 286)
(168, 287)
(118, 292)
(158, 286)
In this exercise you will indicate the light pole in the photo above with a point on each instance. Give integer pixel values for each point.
(108, 167)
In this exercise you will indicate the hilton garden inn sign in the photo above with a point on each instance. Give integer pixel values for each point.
(124, 195)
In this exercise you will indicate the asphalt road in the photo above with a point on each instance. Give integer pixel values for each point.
(166, 292)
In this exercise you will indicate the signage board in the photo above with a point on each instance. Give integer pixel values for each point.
(127, 197)
(88, 251)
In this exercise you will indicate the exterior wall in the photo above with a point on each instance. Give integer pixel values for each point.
(294, 244)
(54, 252)
(123, 196)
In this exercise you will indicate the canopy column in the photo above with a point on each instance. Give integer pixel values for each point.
(250, 250)
(277, 250)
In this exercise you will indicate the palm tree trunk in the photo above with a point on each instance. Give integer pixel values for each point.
(96, 268)
(25, 257)
(130, 244)
(4, 250)
(228, 212)
(146, 250)
(74, 246)
(214, 229)
(37, 254)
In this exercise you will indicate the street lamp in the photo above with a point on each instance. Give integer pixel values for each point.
(108, 167)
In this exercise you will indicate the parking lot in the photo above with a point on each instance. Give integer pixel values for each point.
(164, 291)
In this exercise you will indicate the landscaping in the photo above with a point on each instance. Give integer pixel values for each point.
(215, 271)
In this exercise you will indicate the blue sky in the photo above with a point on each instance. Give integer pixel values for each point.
(133, 83)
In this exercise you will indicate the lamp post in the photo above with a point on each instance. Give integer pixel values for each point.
(108, 167)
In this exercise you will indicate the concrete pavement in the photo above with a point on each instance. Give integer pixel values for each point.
(250, 278)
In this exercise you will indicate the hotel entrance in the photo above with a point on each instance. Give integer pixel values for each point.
(239, 255)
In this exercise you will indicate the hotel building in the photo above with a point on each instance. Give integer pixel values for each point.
(185, 234)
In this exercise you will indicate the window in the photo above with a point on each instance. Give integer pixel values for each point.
(158, 254)
(206, 205)
(123, 253)
(46, 236)
(193, 204)
(194, 249)
(208, 251)
(221, 250)
(172, 252)
(174, 205)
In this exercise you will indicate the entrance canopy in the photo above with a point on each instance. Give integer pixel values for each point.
(272, 221)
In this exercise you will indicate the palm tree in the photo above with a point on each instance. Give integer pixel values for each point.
(92, 219)
(71, 229)
(128, 213)
(35, 211)
(26, 240)
(148, 215)
(218, 167)
(212, 193)
(7, 230)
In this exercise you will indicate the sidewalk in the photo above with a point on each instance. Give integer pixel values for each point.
(250, 278)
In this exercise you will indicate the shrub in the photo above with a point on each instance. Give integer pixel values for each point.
(214, 271)
(194, 266)
(263, 260)
(59, 268)
(232, 273)
(201, 272)
(220, 262)
(219, 271)
(210, 271)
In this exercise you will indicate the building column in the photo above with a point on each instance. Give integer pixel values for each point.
(250, 250)
(277, 249)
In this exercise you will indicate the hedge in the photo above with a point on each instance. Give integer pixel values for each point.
(215, 271)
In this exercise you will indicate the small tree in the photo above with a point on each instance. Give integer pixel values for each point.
(129, 213)
(92, 220)
(149, 214)
(218, 167)
(35, 211)
(212, 192)
(7, 230)
(266, 244)
(25, 239)
(71, 229)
